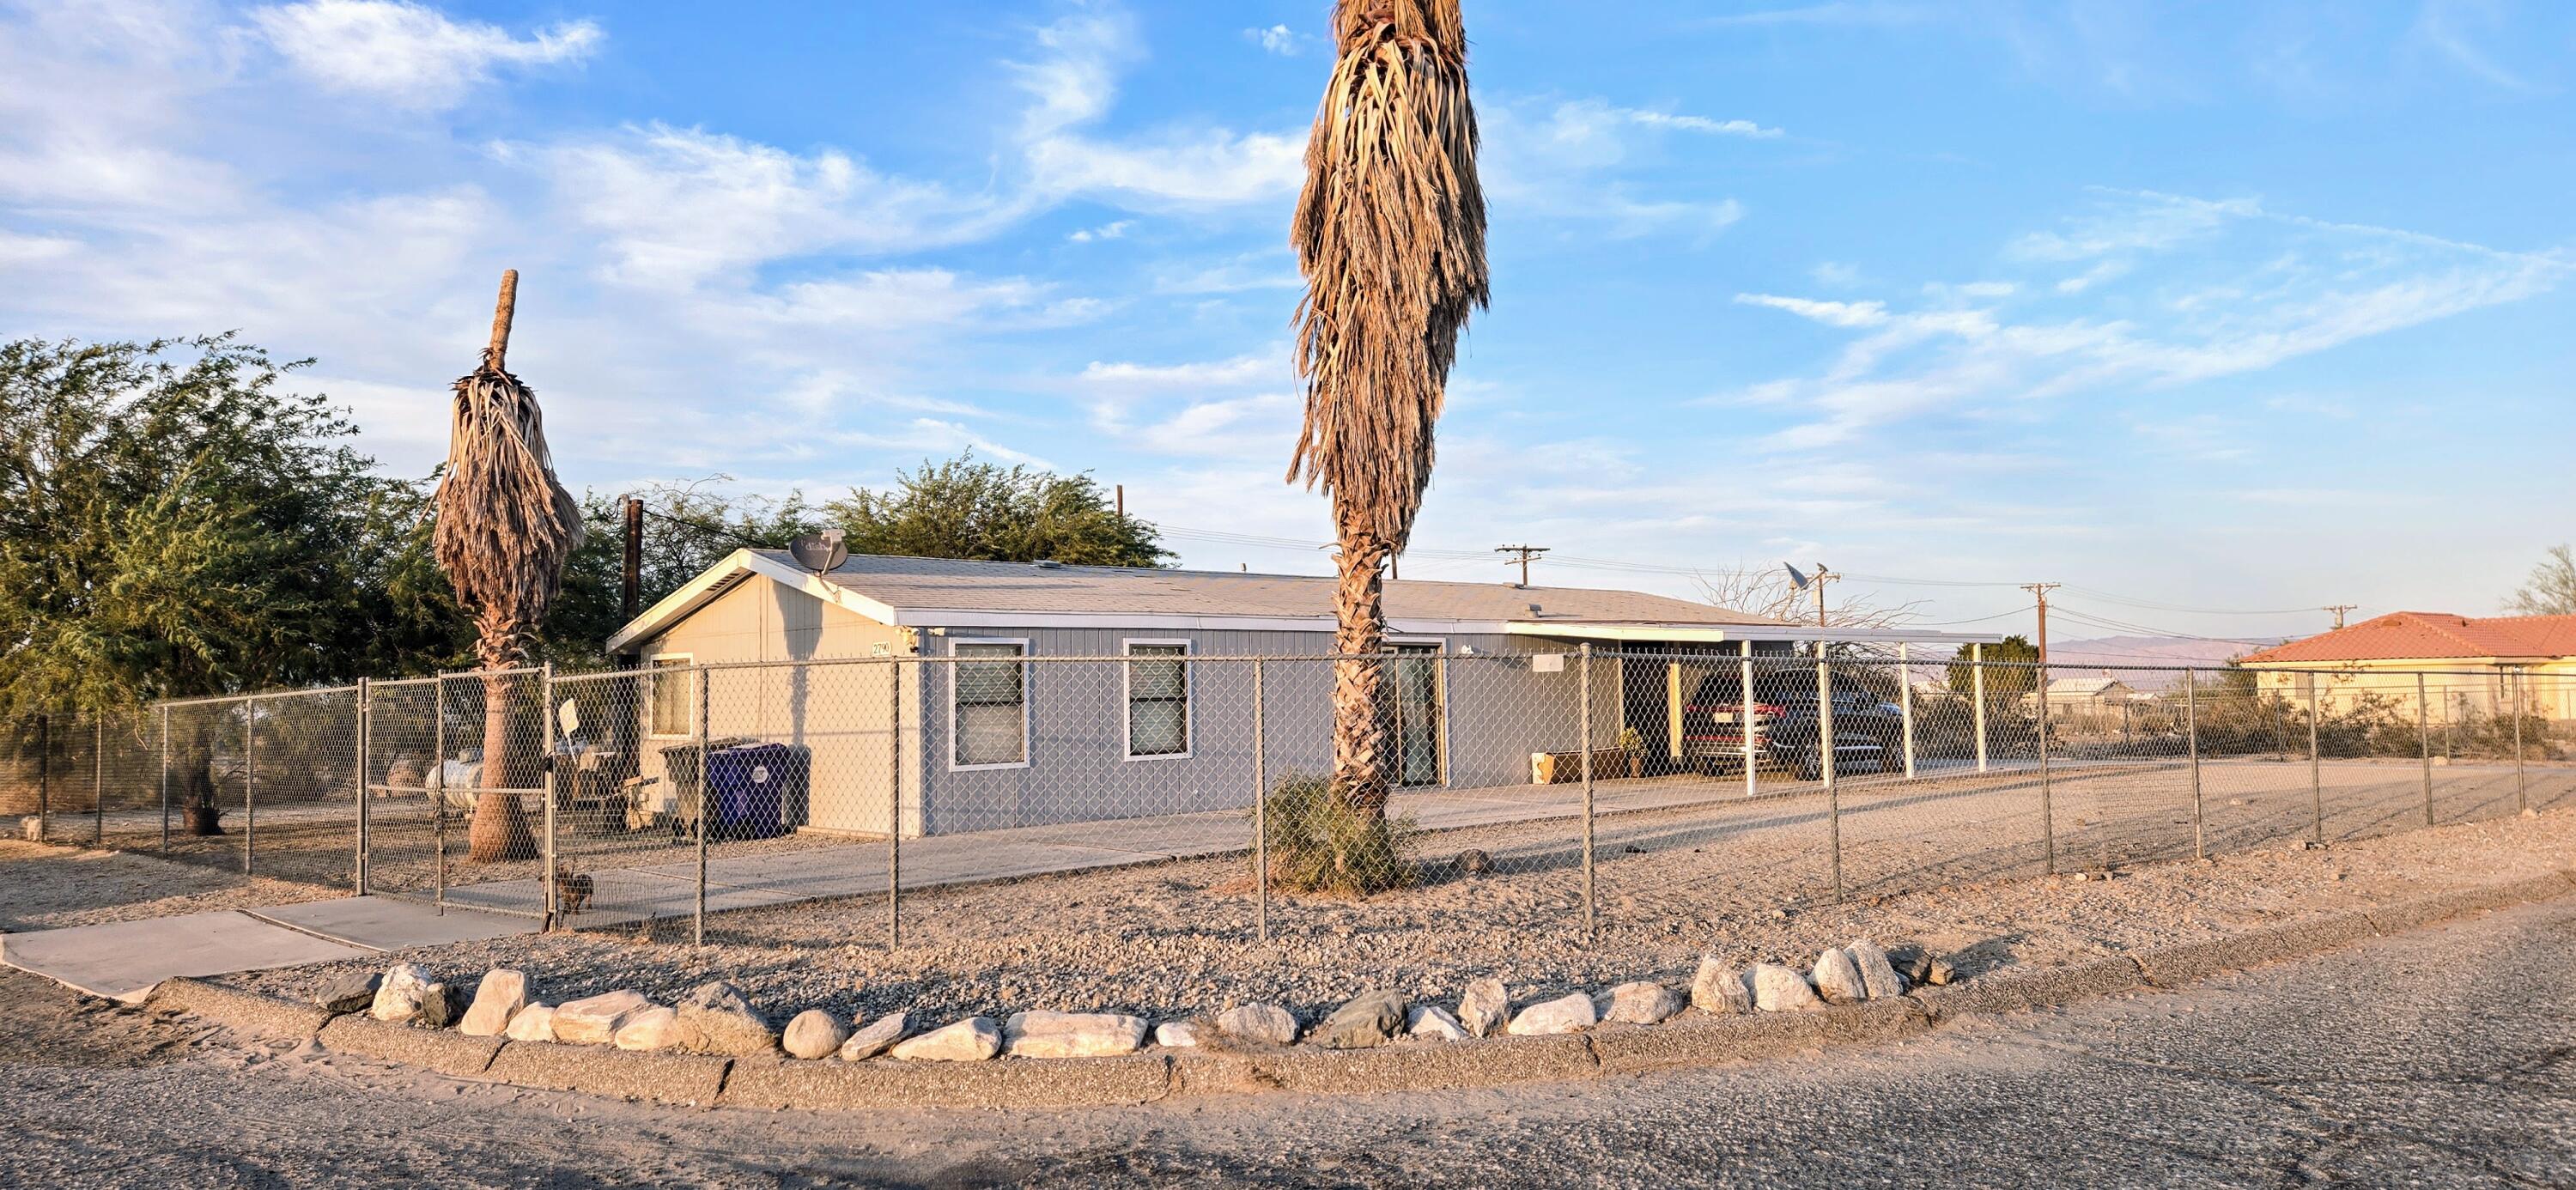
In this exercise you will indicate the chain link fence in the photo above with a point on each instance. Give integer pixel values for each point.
(1573, 784)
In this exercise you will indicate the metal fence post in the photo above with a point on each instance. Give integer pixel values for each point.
(546, 786)
(1583, 704)
(1745, 717)
(1260, 809)
(438, 798)
(45, 777)
(165, 779)
(698, 928)
(250, 786)
(894, 802)
(2047, 790)
(2521, 795)
(1905, 703)
(2424, 743)
(1977, 680)
(1825, 761)
(2191, 741)
(2317, 774)
(366, 879)
(98, 785)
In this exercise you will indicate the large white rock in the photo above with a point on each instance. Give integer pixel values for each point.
(1877, 975)
(971, 1040)
(1718, 987)
(1262, 1024)
(536, 1022)
(1176, 1035)
(1780, 989)
(1837, 980)
(813, 1034)
(654, 1028)
(594, 1020)
(716, 1019)
(399, 996)
(1484, 1006)
(878, 1037)
(1435, 1023)
(499, 997)
(1638, 1003)
(1043, 1034)
(1565, 1014)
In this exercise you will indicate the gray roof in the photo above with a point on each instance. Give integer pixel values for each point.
(946, 584)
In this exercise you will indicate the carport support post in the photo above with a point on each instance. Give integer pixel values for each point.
(2316, 774)
(1583, 704)
(2424, 742)
(1977, 680)
(698, 928)
(1825, 749)
(1905, 704)
(363, 876)
(1744, 717)
(2191, 737)
(1260, 812)
(546, 782)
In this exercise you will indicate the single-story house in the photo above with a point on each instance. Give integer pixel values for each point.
(2087, 695)
(1048, 693)
(2471, 659)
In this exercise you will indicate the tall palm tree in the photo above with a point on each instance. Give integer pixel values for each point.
(505, 528)
(1390, 234)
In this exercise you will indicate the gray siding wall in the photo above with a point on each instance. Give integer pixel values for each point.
(1497, 711)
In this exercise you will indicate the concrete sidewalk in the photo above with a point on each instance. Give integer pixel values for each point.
(125, 960)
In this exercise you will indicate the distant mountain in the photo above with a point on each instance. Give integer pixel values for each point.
(2102, 656)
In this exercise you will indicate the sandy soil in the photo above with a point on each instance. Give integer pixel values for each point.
(44, 887)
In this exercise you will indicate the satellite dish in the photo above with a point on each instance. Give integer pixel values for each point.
(1797, 578)
(821, 552)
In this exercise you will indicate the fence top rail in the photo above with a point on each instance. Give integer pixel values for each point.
(166, 703)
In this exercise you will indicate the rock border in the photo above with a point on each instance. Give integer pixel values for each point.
(1610, 1049)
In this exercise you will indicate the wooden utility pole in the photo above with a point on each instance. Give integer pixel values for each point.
(2041, 590)
(633, 572)
(2339, 609)
(1526, 553)
(1121, 489)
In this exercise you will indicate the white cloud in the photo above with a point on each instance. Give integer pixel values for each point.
(409, 55)
(1277, 39)
(1652, 119)
(1257, 368)
(1115, 229)
(2314, 285)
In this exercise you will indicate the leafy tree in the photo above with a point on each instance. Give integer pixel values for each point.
(2551, 589)
(2004, 683)
(174, 523)
(964, 508)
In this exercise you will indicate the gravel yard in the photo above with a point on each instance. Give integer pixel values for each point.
(1176, 939)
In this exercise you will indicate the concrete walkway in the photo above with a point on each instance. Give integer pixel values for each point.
(125, 960)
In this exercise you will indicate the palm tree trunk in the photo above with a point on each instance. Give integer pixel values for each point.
(1360, 748)
(499, 828)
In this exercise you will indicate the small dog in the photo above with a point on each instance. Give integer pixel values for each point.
(572, 889)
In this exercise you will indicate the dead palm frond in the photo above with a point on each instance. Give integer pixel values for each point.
(504, 531)
(1390, 233)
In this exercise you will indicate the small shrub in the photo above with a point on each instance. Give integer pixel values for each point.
(1319, 844)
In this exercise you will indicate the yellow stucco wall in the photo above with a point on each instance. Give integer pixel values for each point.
(2461, 687)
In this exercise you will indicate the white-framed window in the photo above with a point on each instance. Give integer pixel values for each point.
(988, 704)
(1158, 699)
(673, 695)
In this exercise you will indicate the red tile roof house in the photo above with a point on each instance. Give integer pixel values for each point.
(2468, 665)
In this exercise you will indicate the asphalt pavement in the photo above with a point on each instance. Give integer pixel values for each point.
(2443, 1057)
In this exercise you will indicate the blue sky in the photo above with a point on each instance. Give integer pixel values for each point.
(2210, 310)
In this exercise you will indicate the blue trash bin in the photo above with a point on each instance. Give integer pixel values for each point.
(757, 791)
